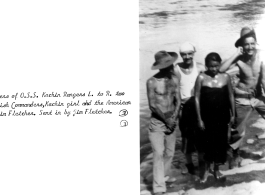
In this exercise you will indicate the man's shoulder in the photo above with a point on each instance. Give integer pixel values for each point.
(179, 64)
(151, 81)
(176, 70)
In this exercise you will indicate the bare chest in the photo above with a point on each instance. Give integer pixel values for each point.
(165, 87)
(248, 70)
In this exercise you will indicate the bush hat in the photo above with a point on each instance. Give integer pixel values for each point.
(245, 32)
(164, 59)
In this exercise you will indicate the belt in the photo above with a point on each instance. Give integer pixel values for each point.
(167, 115)
(251, 91)
(244, 96)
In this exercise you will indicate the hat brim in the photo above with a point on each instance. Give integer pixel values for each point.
(239, 42)
(157, 66)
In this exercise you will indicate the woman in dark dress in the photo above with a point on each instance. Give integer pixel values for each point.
(215, 112)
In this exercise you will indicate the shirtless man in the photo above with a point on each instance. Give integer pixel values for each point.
(164, 102)
(187, 72)
(248, 62)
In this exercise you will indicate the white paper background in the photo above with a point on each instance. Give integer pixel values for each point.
(73, 46)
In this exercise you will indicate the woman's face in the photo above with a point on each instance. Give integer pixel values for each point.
(213, 67)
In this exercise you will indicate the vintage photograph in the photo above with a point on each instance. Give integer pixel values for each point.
(202, 100)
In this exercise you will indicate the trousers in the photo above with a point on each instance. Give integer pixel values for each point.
(244, 107)
(163, 152)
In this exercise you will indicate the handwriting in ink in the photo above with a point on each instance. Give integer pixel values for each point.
(123, 123)
(123, 113)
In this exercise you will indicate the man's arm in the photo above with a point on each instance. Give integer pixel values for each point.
(232, 106)
(229, 63)
(231, 98)
(233, 70)
(176, 72)
(263, 75)
(197, 94)
(151, 85)
(177, 98)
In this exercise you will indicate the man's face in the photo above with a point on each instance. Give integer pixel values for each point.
(168, 69)
(249, 45)
(187, 57)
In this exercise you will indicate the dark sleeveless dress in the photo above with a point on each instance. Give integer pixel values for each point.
(215, 112)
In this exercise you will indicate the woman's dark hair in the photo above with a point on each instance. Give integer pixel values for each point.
(212, 57)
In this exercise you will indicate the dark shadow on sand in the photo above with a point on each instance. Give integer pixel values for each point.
(213, 183)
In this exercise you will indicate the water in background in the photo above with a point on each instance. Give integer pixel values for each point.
(211, 25)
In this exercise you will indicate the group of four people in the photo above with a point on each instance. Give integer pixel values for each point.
(204, 104)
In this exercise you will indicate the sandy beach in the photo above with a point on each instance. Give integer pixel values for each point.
(248, 178)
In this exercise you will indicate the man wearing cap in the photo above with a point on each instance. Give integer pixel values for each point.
(187, 72)
(248, 63)
(164, 103)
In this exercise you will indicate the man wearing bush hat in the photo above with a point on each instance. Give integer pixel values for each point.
(164, 103)
(248, 63)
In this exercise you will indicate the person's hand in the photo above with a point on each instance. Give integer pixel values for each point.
(171, 123)
(240, 51)
(201, 125)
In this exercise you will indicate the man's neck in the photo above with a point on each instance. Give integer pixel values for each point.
(164, 74)
(249, 58)
(187, 66)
